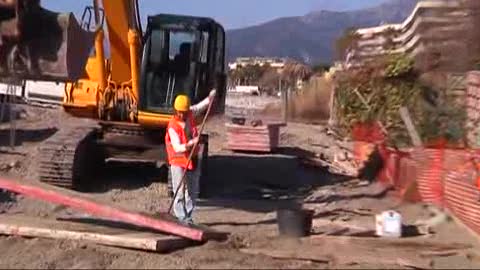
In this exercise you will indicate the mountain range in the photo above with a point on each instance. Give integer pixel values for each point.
(311, 38)
(345, 5)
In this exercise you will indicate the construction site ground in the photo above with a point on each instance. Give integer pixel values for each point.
(244, 191)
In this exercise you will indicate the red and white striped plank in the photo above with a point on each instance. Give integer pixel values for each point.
(83, 203)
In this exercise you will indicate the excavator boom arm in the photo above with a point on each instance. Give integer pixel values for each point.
(122, 17)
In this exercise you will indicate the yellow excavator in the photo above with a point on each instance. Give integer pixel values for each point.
(130, 92)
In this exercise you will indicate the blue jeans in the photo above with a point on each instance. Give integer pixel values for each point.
(184, 203)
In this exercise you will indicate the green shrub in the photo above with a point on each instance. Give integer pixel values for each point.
(387, 85)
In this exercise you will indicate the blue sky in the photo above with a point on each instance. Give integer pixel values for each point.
(230, 13)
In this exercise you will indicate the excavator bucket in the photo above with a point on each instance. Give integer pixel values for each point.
(38, 44)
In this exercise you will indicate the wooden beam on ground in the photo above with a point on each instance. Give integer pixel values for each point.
(324, 222)
(34, 227)
(165, 223)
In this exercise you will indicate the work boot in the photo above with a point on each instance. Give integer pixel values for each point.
(189, 222)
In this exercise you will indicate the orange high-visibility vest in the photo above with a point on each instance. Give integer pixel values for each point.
(180, 159)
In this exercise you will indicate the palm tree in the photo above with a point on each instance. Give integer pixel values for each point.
(295, 71)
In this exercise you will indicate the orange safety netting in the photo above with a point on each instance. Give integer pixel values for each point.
(368, 132)
(366, 136)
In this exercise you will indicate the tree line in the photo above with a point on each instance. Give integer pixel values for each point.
(269, 78)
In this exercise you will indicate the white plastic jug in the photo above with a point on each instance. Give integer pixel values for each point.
(389, 224)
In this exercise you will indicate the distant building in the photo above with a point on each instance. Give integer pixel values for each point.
(274, 62)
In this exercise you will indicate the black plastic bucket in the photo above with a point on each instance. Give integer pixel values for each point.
(294, 222)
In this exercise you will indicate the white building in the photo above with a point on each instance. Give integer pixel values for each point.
(278, 63)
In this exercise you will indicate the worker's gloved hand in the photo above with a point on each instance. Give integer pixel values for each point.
(195, 140)
(191, 143)
(212, 94)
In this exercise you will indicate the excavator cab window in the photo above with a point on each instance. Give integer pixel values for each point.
(181, 55)
(169, 69)
(88, 21)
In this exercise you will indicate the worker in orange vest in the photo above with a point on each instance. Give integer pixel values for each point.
(181, 136)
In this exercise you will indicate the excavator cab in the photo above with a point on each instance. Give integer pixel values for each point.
(39, 44)
(181, 55)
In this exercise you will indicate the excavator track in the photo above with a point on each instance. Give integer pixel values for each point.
(68, 157)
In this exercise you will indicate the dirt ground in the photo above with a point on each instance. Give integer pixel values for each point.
(244, 193)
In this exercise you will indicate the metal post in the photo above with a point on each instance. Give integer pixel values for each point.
(285, 94)
(12, 94)
(8, 101)
(2, 109)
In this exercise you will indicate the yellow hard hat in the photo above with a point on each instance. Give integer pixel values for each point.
(182, 103)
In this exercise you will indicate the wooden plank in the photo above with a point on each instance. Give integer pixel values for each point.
(249, 134)
(247, 148)
(266, 134)
(251, 143)
(417, 142)
(246, 127)
(251, 149)
(243, 139)
(164, 223)
(325, 222)
(254, 144)
(247, 140)
(42, 228)
(264, 126)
